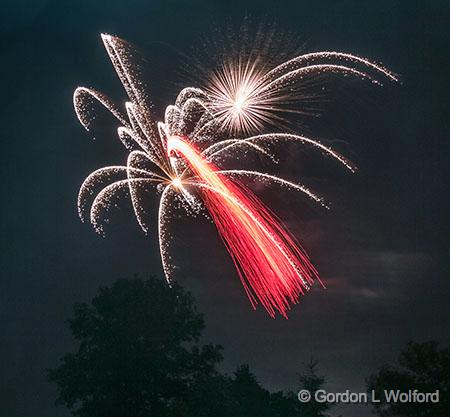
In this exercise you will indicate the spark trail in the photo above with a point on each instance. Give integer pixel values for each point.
(181, 158)
(270, 263)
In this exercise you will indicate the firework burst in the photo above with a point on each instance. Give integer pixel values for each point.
(245, 97)
(181, 159)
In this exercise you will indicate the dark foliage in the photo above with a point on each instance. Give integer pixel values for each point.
(138, 353)
(312, 381)
(139, 356)
(422, 366)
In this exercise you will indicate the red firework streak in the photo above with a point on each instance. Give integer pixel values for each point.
(272, 266)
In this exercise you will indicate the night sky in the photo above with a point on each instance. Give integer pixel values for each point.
(382, 250)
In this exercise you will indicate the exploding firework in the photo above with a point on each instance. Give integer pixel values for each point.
(181, 159)
(245, 95)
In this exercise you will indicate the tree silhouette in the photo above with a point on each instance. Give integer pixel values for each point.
(138, 354)
(422, 366)
(249, 397)
(310, 380)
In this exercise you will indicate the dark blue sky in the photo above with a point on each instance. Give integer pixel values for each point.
(382, 250)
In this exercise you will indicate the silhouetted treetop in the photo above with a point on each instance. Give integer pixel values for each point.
(424, 367)
(138, 352)
(138, 355)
